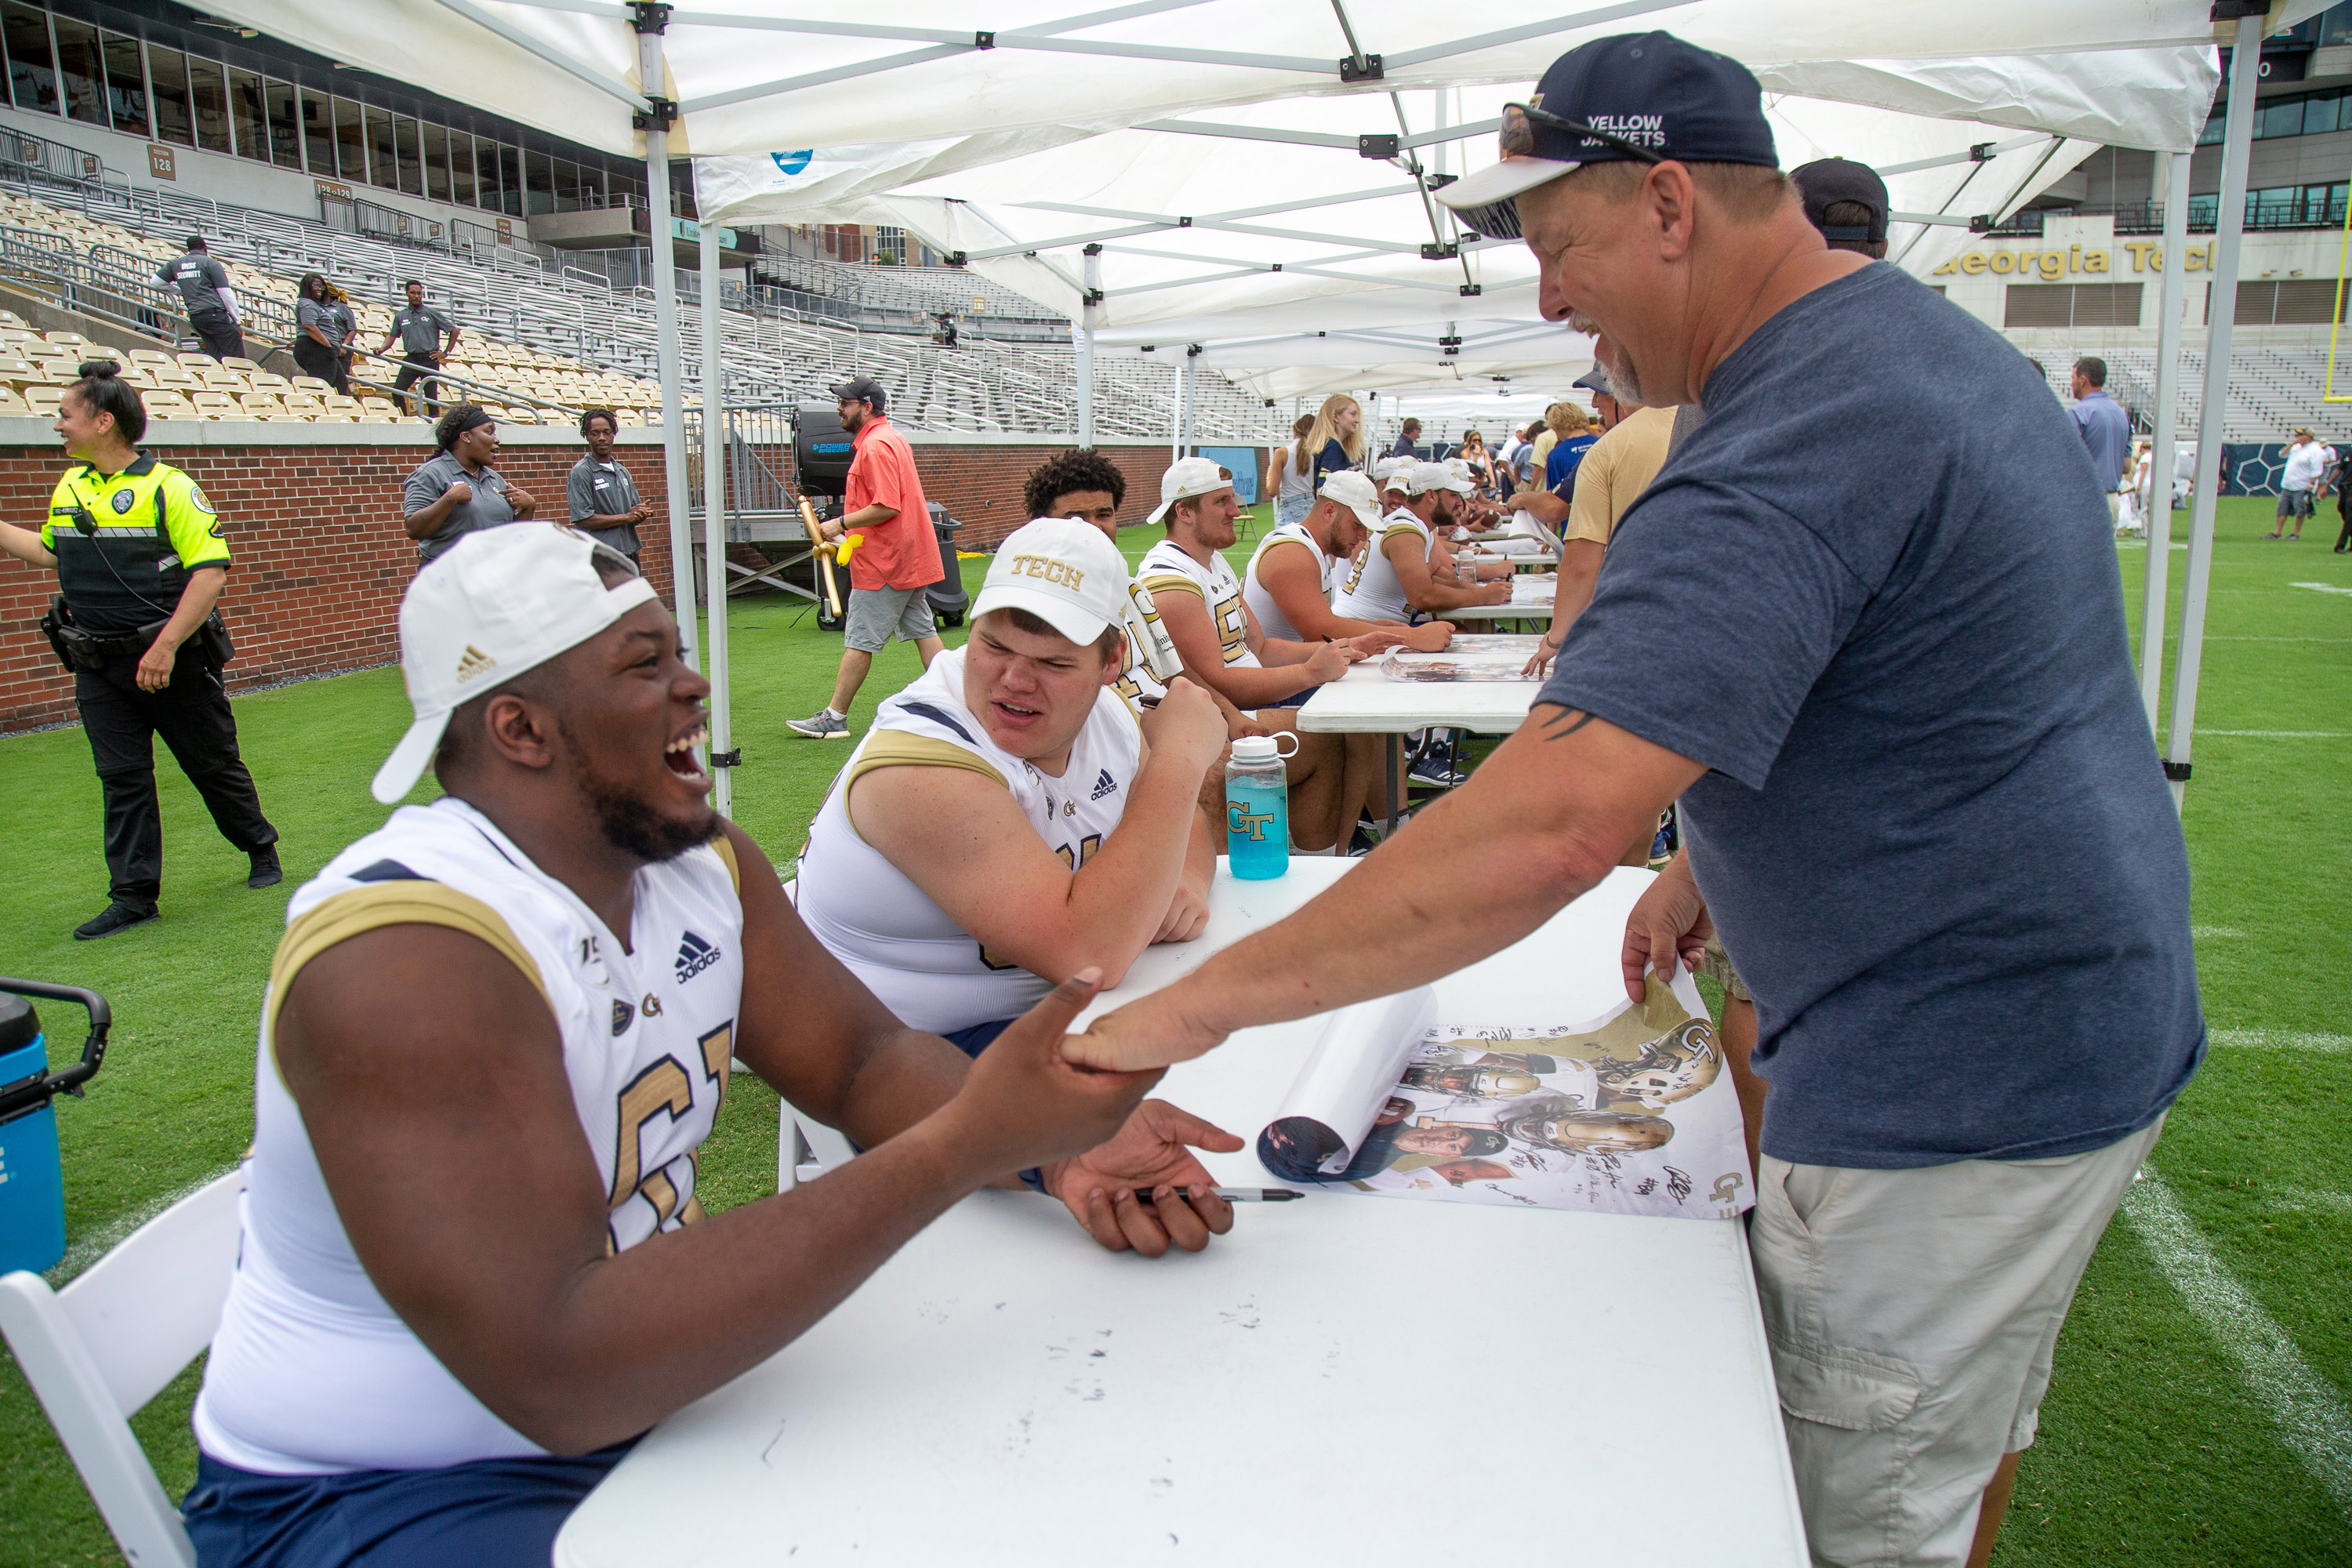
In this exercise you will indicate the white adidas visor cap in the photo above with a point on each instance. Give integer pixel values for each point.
(1427, 477)
(1188, 479)
(1062, 572)
(1358, 494)
(494, 604)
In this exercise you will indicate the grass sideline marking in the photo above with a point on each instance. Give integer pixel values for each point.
(2213, 933)
(111, 1234)
(2311, 1200)
(2283, 1040)
(2321, 587)
(2307, 1411)
(2284, 735)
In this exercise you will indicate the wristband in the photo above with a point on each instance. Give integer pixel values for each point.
(1033, 1178)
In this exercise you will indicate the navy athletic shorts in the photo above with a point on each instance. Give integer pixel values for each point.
(491, 1513)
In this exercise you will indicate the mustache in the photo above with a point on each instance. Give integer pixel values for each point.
(1577, 321)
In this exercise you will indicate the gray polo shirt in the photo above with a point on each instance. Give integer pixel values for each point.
(199, 279)
(602, 489)
(333, 321)
(489, 509)
(420, 328)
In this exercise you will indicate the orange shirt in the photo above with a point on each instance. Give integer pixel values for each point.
(902, 552)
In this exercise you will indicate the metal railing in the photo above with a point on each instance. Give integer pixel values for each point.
(2148, 217)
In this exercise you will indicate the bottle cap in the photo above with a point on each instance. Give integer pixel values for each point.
(1263, 748)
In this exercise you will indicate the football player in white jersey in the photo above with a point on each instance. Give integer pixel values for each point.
(1288, 582)
(473, 1266)
(1392, 578)
(1006, 823)
(1332, 777)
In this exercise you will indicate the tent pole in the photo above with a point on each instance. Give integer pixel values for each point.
(1086, 335)
(714, 527)
(1191, 380)
(2237, 145)
(2172, 168)
(667, 364)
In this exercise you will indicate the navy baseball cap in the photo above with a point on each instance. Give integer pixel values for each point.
(862, 388)
(1648, 97)
(1828, 181)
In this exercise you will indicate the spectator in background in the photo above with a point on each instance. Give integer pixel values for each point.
(203, 285)
(456, 492)
(1544, 438)
(899, 560)
(1610, 477)
(1336, 439)
(1294, 492)
(324, 325)
(420, 329)
(1847, 202)
(2306, 459)
(1482, 462)
(1576, 437)
(2344, 499)
(602, 497)
(2105, 427)
(2327, 480)
(1407, 441)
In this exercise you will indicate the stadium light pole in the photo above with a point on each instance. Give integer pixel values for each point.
(2170, 288)
(649, 21)
(714, 525)
(2221, 315)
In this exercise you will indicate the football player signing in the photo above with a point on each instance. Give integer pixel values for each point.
(1009, 821)
(474, 1267)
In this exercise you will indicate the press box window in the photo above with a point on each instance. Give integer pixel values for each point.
(2072, 305)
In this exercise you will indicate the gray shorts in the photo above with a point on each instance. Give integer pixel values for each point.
(1912, 1314)
(876, 613)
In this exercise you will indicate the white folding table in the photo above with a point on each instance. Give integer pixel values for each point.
(1530, 601)
(1347, 1379)
(1366, 701)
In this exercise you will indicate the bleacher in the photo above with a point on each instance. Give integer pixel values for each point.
(542, 344)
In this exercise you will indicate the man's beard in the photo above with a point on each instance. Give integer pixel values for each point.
(634, 827)
(1625, 381)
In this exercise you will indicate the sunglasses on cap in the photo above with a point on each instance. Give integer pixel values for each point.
(1500, 220)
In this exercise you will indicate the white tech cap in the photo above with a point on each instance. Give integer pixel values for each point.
(1428, 476)
(1187, 478)
(1062, 572)
(1354, 492)
(494, 604)
(1385, 469)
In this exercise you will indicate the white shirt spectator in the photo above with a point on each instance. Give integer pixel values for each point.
(2304, 464)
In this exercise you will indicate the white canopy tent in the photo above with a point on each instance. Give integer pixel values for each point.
(930, 94)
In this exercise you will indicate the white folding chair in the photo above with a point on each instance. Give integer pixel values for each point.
(99, 1350)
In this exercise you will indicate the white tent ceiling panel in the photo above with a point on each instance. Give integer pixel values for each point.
(769, 75)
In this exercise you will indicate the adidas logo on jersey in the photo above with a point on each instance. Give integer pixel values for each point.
(694, 956)
(473, 662)
(1103, 785)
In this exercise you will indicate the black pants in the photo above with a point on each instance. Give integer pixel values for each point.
(220, 336)
(2344, 539)
(413, 369)
(193, 716)
(317, 359)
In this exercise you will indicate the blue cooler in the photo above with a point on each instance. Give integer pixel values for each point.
(32, 1183)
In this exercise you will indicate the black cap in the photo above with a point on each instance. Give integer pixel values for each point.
(863, 388)
(1594, 380)
(1642, 96)
(1829, 181)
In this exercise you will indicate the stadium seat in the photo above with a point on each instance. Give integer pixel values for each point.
(64, 338)
(194, 361)
(13, 406)
(150, 357)
(312, 384)
(238, 361)
(100, 1350)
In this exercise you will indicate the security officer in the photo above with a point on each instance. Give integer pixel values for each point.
(423, 348)
(141, 560)
(212, 305)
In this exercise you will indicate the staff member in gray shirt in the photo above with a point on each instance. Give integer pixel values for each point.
(204, 284)
(602, 497)
(458, 491)
(419, 329)
(322, 332)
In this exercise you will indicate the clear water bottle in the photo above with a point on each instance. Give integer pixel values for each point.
(1257, 808)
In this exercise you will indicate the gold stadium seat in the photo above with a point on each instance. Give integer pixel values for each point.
(311, 383)
(238, 361)
(153, 357)
(64, 338)
(267, 381)
(194, 361)
(13, 406)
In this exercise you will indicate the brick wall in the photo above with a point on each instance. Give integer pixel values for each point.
(322, 561)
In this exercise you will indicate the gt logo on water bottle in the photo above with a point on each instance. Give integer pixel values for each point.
(1244, 822)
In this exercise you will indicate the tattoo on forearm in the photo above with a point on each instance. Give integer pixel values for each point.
(1553, 726)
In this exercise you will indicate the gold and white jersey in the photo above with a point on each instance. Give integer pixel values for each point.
(1270, 618)
(311, 1371)
(1370, 590)
(1151, 660)
(873, 916)
(1166, 569)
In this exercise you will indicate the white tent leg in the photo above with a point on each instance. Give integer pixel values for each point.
(1086, 336)
(714, 526)
(667, 359)
(1192, 377)
(2173, 171)
(2237, 144)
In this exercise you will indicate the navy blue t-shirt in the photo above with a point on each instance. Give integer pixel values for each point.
(1567, 454)
(1935, 837)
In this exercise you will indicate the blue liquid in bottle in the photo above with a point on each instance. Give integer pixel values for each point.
(1257, 826)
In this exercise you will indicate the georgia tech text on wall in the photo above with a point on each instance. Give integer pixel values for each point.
(2147, 256)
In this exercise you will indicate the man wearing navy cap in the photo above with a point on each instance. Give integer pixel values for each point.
(1920, 799)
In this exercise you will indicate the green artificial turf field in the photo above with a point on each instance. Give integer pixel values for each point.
(2158, 1445)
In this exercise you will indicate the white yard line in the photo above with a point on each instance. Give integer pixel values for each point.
(2214, 933)
(2321, 587)
(108, 1236)
(2285, 735)
(2282, 1040)
(2307, 1411)
(2311, 1200)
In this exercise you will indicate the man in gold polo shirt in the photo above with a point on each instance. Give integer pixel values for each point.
(139, 564)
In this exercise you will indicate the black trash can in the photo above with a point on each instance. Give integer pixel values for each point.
(948, 601)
